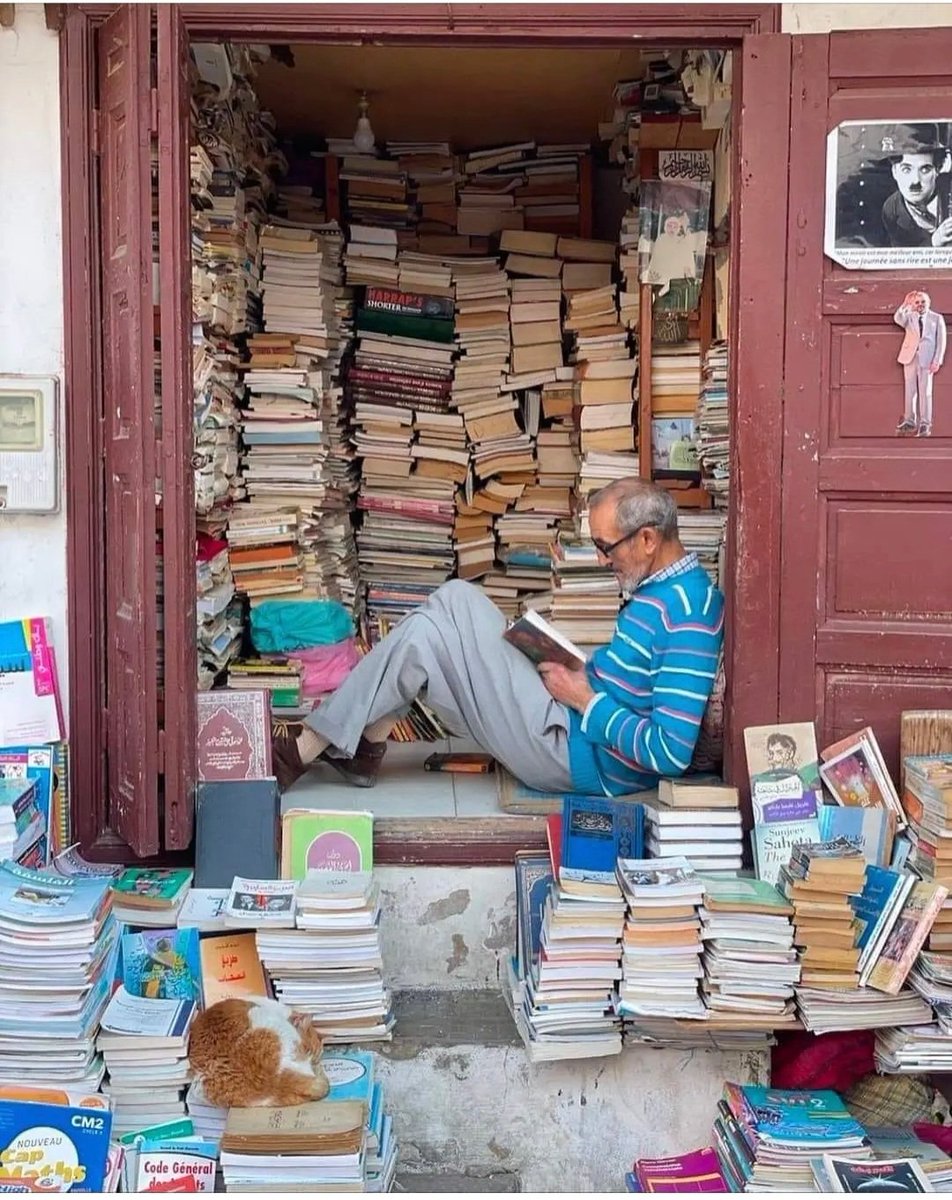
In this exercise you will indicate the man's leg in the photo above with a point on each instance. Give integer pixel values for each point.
(452, 650)
(910, 420)
(926, 380)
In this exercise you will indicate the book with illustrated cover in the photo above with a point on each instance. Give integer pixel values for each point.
(156, 887)
(261, 903)
(781, 1116)
(781, 761)
(162, 964)
(598, 830)
(30, 711)
(877, 909)
(55, 1145)
(871, 829)
(325, 840)
(739, 894)
(541, 642)
(855, 772)
(231, 967)
(38, 897)
(780, 824)
(234, 735)
(883, 1175)
(34, 763)
(906, 938)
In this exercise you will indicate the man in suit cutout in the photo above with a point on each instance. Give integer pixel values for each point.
(922, 354)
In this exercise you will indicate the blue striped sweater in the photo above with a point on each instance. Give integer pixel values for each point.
(651, 682)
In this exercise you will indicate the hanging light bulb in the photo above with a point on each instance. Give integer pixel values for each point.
(363, 134)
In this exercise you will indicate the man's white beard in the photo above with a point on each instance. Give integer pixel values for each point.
(630, 583)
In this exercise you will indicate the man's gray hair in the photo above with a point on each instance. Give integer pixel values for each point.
(639, 504)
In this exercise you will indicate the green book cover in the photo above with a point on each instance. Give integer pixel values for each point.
(742, 890)
(154, 1133)
(430, 329)
(323, 840)
(157, 884)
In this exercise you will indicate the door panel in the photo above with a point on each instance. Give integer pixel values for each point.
(129, 431)
(178, 502)
(866, 603)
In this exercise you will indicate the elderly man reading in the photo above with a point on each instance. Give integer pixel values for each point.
(631, 715)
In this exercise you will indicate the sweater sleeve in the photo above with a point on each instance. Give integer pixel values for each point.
(673, 687)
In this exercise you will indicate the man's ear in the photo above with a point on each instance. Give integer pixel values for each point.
(651, 539)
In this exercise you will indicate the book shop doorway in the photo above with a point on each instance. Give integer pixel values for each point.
(527, 139)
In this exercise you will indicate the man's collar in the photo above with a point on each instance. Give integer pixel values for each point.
(687, 562)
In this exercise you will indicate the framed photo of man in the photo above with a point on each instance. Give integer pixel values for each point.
(889, 195)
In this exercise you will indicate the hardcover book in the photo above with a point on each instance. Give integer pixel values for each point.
(410, 304)
(533, 883)
(540, 642)
(155, 888)
(234, 735)
(598, 830)
(316, 840)
(237, 831)
(162, 964)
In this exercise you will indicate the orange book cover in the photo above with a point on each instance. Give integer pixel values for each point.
(231, 967)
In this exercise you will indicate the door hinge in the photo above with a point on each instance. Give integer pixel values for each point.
(160, 753)
(154, 110)
(95, 132)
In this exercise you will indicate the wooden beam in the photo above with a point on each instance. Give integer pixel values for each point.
(55, 17)
(8, 14)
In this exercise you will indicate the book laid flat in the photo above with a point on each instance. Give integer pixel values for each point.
(541, 642)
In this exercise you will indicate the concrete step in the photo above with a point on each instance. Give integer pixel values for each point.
(492, 1181)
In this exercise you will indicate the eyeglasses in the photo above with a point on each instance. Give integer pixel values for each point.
(606, 551)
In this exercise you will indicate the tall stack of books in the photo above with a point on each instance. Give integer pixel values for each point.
(219, 614)
(927, 803)
(487, 203)
(330, 964)
(535, 317)
(431, 171)
(207, 1119)
(750, 964)
(352, 1075)
(375, 193)
(662, 944)
(567, 1008)
(702, 533)
(281, 677)
(766, 1137)
(144, 1043)
(399, 382)
(713, 426)
(913, 1050)
(820, 881)
(61, 936)
(584, 600)
(699, 822)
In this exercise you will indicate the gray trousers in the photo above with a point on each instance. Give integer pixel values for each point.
(451, 651)
(918, 397)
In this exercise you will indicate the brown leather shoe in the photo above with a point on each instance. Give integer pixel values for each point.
(285, 756)
(363, 768)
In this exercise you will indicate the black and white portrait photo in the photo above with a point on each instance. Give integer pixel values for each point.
(889, 195)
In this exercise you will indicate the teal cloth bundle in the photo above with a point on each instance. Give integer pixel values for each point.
(282, 626)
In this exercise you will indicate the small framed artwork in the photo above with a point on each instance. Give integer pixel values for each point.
(28, 450)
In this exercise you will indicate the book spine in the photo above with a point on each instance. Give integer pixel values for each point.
(410, 304)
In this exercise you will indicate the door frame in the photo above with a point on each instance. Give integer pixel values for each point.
(753, 639)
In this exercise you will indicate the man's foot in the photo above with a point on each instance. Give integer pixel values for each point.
(363, 768)
(906, 426)
(925, 429)
(285, 755)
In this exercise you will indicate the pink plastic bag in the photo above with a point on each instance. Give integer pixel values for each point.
(326, 667)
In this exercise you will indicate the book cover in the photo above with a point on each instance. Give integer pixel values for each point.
(782, 760)
(234, 735)
(780, 823)
(533, 883)
(54, 1146)
(231, 967)
(598, 830)
(877, 909)
(316, 840)
(884, 1175)
(699, 1171)
(180, 1169)
(851, 780)
(410, 304)
(350, 1074)
(261, 902)
(162, 964)
(136, 1016)
(34, 763)
(37, 897)
(871, 830)
(237, 831)
(738, 894)
(907, 937)
(155, 887)
(785, 1115)
(30, 711)
(540, 642)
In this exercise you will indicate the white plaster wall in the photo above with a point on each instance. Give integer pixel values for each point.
(32, 548)
(822, 18)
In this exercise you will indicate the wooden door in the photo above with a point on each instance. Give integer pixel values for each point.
(178, 502)
(866, 602)
(129, 450)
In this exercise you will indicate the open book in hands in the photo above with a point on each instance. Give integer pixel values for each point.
(540, 642)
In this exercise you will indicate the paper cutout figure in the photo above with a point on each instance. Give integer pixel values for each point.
(921, 354)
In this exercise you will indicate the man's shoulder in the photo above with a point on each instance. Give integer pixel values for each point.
(689, 595)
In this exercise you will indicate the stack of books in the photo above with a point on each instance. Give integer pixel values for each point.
(535, 318)
(375, 193)
(927, 803)
(264, 552)
(207, 1119)
(675, 390)
(584, 599)
(836, 1010)
(698, 1171)
(820, 881)
(570, 994)
(330, 964)
(698, 822)
(703, 534)
(662, 942)
(218, 612)
(22, 822)
(931, 977)
(712, 426)
(145, 896)
(913, 1050)
(316, 1147)
(279, 676)
(431, 169)
(145, 1047)
(58, 935)
(352, 1076)
(766, 1137)
(750, 964)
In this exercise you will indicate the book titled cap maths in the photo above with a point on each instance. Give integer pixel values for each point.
(54, 1147)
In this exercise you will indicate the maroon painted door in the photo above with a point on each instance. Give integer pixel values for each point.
(866, 600)
(128, 428)
(178, 503)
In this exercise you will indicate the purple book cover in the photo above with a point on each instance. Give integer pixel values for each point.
(699, 1171)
